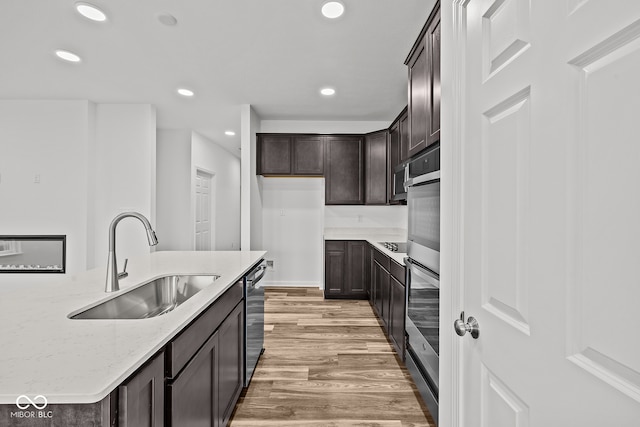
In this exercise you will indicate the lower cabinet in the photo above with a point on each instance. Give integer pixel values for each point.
(230, 363)
(205, 392)
(345, 269)
(397, 313)
(141, 397)
(388, 297)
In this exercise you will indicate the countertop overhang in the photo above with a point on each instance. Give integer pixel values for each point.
(43, 352)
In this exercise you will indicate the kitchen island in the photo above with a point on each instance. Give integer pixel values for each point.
(76, 361)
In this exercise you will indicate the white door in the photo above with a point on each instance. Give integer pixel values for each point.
(203, 227)
(541, 212)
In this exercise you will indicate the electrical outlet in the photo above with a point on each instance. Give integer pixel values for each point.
(271, 265)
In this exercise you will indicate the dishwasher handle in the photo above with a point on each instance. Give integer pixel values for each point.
(262, 269)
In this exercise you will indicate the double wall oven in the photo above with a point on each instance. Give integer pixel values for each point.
(423, 268)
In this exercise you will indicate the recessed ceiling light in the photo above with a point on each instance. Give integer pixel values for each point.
(327, 91)
(332, 9)
(185, 92)
(90, 11)
(67, 56)
(229, 133)
(167, 19)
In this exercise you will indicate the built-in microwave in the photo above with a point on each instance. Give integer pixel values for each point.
(400, 176)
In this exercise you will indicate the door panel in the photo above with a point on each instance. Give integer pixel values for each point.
(537, 183)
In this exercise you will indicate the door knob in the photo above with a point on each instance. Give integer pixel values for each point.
(471, 325)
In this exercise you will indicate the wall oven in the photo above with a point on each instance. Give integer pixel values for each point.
(422, 281)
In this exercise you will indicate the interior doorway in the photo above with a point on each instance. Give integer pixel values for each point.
(205, 211)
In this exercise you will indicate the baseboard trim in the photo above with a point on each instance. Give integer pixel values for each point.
(265, 283)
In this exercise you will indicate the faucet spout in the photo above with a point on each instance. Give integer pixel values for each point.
(112, 284)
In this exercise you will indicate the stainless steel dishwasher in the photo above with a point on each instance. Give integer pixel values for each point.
(254, 311)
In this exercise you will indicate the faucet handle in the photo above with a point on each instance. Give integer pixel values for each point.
(124, 270)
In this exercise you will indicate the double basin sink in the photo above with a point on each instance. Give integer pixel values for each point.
(151, 299)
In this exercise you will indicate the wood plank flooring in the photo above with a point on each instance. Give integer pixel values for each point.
(327, 363)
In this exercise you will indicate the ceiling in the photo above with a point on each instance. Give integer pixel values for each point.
(273, 54)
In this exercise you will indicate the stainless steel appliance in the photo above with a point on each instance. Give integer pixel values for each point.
(422, 281)
(399, 178)
(400, 247)
(254, 325)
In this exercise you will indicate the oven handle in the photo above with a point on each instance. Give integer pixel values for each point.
(429, 276)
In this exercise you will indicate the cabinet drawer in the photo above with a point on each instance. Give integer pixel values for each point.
(334, 245)
(382, 259)
(397, 271)
(184, 346)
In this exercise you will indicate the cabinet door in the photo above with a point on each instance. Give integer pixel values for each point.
(308, 155)
(376, 168)
(418, 98)
(230, 363)
(274, 155)
(433, 48)
(378, 275)
(193, 394)
(397, 308)
(334, 267)
(385, 296)
(356, 269)
(404, 136)
(141, 398)
(393, 159)
(344, 173)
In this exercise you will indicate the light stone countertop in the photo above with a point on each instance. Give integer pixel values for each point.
(373, 236)
(42, 352)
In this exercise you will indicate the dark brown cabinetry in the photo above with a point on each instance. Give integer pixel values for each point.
(290, 154)
(376, 168)
(205, 365)
(308, 155)
(404, 135)
(397, 307)
(344, 170)
(141, 397)
(388, 297)
(274, 155)
(398, 153)
(345, 269)
(424, 86)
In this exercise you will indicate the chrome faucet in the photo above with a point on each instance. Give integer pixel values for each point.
(112, 284)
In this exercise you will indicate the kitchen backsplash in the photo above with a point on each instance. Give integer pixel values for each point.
(365, 217)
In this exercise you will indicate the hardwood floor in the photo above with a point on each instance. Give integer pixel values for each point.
(327, 363)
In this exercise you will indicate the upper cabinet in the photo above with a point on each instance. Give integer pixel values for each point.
(274, 155)
(308, 155)
(424, 86)
(376, 168)
(284, 154)
(344, 171)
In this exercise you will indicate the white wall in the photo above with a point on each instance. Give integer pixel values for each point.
(251, 184)
(49, 139)
(225, 167)
(173, 174)
(365, 217)
(293, 228)
(93, 161)
(125, 177)
(180, 155)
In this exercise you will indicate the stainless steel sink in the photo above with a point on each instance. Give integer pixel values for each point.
(152, 299)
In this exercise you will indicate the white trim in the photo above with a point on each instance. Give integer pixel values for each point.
(453, 68)
(296, 284)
